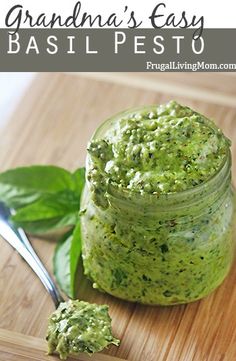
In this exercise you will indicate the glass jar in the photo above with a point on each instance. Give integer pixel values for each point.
(171, 249)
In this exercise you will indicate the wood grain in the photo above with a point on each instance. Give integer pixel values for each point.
(216, 89)
(16, 345)
(53, 123)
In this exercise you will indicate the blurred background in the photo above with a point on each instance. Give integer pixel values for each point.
(13, 86)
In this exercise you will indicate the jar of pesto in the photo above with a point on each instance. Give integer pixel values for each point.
(157, 210)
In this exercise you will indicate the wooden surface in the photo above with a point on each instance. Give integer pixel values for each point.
(52, 125)
(17, 346)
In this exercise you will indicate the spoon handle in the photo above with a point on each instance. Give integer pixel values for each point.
(17, 238)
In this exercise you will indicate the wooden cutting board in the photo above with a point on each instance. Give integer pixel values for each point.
(52, 125)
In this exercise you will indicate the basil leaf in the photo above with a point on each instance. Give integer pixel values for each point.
(48, 213)
(44, 197)
(75, 251)
(66, 259)
(61, 263)
(79, 178)
(38, 228)
(48, 207)
(24, 185)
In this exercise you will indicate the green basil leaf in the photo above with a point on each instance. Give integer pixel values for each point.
(48, 207)
(38, 228)
(46, 198)
(79, 178)
(61, 263)
(66, 259)
(24, 185)
(48, 213)
(75, 252)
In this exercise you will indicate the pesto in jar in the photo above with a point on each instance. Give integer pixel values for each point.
(158, 206)
(78, 326)
(168, 149)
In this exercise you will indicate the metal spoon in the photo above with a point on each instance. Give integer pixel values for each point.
(17, 238)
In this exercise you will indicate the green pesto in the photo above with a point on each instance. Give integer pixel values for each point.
(78, 326)
(158, 206)
(167, 149)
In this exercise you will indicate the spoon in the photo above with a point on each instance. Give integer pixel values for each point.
(17, 238)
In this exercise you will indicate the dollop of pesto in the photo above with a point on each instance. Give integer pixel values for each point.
(167, 149)
(78, 326)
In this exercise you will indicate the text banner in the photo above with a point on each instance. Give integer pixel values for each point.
(117, 50)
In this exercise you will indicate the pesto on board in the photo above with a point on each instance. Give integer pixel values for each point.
(78, 326)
